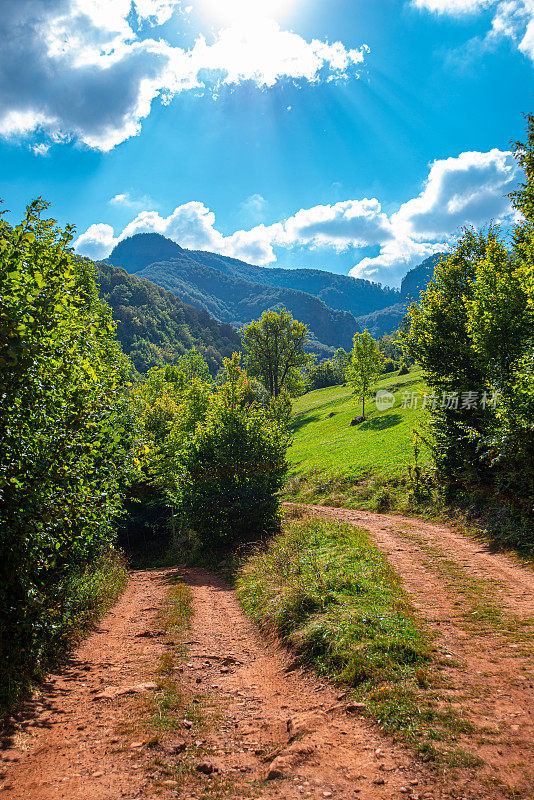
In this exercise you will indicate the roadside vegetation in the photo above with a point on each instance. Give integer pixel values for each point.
(66, 435)
(325, 589)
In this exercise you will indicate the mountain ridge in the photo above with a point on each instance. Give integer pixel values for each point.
(334, 307)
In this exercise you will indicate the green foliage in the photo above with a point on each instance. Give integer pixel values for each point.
(390, 347)
(404, 369)
(276, 349)
(366, 365)
(156, 328)
(65, 437)
(389, 366)
(523, 198)
(218, 457)
(325, 374)
(474, 332)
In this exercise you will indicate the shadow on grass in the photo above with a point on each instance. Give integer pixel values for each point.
(303, 420)
(381, 423)
(395, 387)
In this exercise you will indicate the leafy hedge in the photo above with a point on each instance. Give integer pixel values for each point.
(65, 438)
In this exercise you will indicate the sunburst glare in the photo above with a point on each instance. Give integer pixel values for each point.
(228, 12)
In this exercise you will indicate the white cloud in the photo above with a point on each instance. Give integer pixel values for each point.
(352, 223)
(125, 200)
(513, 19)
(260, 51)
(97, 242)
(41, 149)
(469, 189)
(395, 259)
(85, 70)
(452, 6)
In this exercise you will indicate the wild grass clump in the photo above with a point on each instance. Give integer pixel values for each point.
(77, 604)
(327, 591)
(329, 594)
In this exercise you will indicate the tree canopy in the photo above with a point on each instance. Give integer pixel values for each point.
(276, 348)
(365, 366)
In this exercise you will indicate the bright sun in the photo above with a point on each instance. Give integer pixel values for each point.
(227, 12)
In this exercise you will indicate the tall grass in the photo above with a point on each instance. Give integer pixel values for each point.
(79, 602)
(327, 591)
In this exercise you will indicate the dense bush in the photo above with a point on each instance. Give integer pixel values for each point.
(323, 375)
(218, 457)
(65, 437)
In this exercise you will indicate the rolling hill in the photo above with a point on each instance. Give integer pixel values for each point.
(155, 327)
(230, 297)
(387, 320)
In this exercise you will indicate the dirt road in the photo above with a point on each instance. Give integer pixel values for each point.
(265, 729)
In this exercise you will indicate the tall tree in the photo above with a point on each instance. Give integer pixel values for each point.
(473, 334)
(275, 345)
(366, 362)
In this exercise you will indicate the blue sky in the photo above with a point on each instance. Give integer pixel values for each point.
(350, 135)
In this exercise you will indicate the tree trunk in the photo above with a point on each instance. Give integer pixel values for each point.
(363, 406)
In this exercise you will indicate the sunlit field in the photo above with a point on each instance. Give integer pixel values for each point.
(381, 445)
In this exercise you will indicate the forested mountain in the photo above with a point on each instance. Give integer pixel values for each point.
(334, 307)
(387, 320)
(238, 301)
(228, 297)
(155, 327)
(337, 291)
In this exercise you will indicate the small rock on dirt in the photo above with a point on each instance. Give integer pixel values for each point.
(354, 708)
(274, 773)
(205, 767)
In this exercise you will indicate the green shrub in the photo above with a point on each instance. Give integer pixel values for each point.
(404, 370)
(65, 437)
(219, 458)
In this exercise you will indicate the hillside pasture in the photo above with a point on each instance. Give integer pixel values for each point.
(334, 462)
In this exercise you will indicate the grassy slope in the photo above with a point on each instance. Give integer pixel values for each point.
(382, 445)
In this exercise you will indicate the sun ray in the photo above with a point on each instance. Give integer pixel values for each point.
(229, 12)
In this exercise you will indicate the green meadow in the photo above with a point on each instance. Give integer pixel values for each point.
(366, 464)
